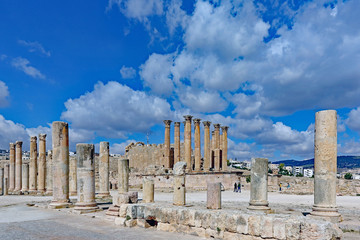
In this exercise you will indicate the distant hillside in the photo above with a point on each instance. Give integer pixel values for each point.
(342, 161)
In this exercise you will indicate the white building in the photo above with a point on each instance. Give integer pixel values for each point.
(309, 172)
(298, 170)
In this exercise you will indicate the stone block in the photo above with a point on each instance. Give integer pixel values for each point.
(267, 230)
(213, 195)
(206, 219)
(131, 211)
(131, 223)
(182, 228)
(254, 227)
(120, 221)
(292, 229)
(142, 223)
(279, 229)
(123, 210)
(242, 224)
(210, 233)
(133, 197)
(166, 227)
(197, 231)
(140, 211)
(232, 236)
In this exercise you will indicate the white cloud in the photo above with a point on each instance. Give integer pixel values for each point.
(4, 94)
(35, 47)
(353, 121)
(23, 64)
(11, 132)
(350, 147)
(138, 9)
(127, 72)
(175, 16)
(119, 148)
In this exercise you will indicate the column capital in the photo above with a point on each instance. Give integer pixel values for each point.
(18, 143)
(177, 124)
(217, 126)
(12, 145)
(33, 139)
(197, 121)
(224, 128)
(42, 137)
(167, 123)
(188, 118)
(206, 123)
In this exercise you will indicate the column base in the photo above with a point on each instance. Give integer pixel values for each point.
(86, 207)
(73, 193)
(56, 205)
(259, 206)
(103, 195)
(326, 212)
(32, 191)
(49, 193)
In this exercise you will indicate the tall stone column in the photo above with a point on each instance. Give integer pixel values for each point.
(12, 168)
(217, 147)
(49, 173)
(197, 144)
(60, 146)
(325, 164)
(104, 170)
(224, 147)
(2, 178)
(72, 176)
(167, 163)
(206, 146)
(33, 165)
(179, 184)
(176, 142)
(123, 175)
(6, 175)
(85, 178)
(25, 177)
(6, 183)
(187, 141)
(42, 164)
(18, 166)
(148, 190)
(259, 184)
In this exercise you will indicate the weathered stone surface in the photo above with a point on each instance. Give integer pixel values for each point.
(123, 210)
(123, 175)
(258, 185)
(33, 165)
(187, 141)
(131, 223)
(224, 146)
(25, 177)
(18, 166)
(49, 173)
(42, 164)
(176, 142)
(104, 163)
(120, 221)
(148, 190)
(12, 168)
(179, 168)
(206, 166)
(179, 190)
(213, 195)
(166, 227)
(73, 176)
(124, 198)
(142, 223)
(166, 159)
(197, 140)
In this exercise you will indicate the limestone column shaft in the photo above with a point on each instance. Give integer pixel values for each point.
(49, 173)
(176, 142)
(123, 175)
(42, 163)
(2, 181)
(224, 147)
(12, 168)
(148, 190)
(18, 166)
(216, 136)
(104, 170)
(206, 145)
(60, 146)
(72, 176)
(166, 162)
(259, 184)
(213, 195)
(197, 144)
(33, 164)
(325, 164)
(6, 175)
(25, 177)
(187, 142)
(85, 177)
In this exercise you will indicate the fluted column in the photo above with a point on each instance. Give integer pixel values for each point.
(18, 166)
(12, 168)
(176, 142)
(224, 147)
(49, 173)
(166, 162)
(60, 145)
(25, 177)
(104, 170)
(325, 163)
(42, 163)
(33, 164)
(197, 144)
(206, 145)
(187, 141)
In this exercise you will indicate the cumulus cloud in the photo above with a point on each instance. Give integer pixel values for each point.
(119, 148)
(23, 64)
(127, 72)
(137, 9)
(350, 147)
(353, 120)
(4, 94)
(35, 47)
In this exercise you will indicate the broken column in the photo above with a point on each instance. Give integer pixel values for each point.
(18, 166)
(187, 142)
(179, 184)
(6, 175)
(33, 165)
(124, 196)
(148, 190)
(206, 165)
(176, 142)
(60, 146)
(2, 184)
(85, 178)
(217, 151)
(166, 162)
(12, 168)
(72, 177)
(197, 144)
(49, 173)
(42, 164)
(224, 147)
(325, 163)
(104, 170)
(6, 183)
(213, 195)
(259, 185)
(25, 178)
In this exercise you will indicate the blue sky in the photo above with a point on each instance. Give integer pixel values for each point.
(115, 69)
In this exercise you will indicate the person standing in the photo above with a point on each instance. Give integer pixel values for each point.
(239, 187)
(280, 187)
(235, 187)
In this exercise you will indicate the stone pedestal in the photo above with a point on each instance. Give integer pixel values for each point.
(259, 185)
(224, 147)
(176, 142)
(187, 142)
(85, 178)
(325, 163)
(148, 190)
(49, 173)
(42, 164)
(33, 165)
(213, 195)
(25, 177)
(179, 184)
(60, 144)
(104, 185)
(207, 148)
(12, 168)
(72, 177)
(197, 145)
(167, 162)
(18, 166)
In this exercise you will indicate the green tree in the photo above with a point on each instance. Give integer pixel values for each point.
(281, 166)
(248, 179)
(270, 171)
(348, 176)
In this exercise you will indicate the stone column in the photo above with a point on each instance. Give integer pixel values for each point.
(213, 195)
(179, 184)
(259, 184)
(6, 175)
(12, 168)
(216, 147)
(18, 165)
(2, 178)
(197, 144)
(206, 146)
(85, 178)
(224, 147)
(104, 170)
(33, 165)
(148, 190)
(176, 142)
(325, 164)
(123, 175)
(60, 146)
(42, 164)
(72, 176)
(49, 173)
(187, 141)
(25, 177)
(6, 183)
(166, 162)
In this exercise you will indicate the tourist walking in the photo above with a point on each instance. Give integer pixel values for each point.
(239, 187)
(235, 187)
(280, 187)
